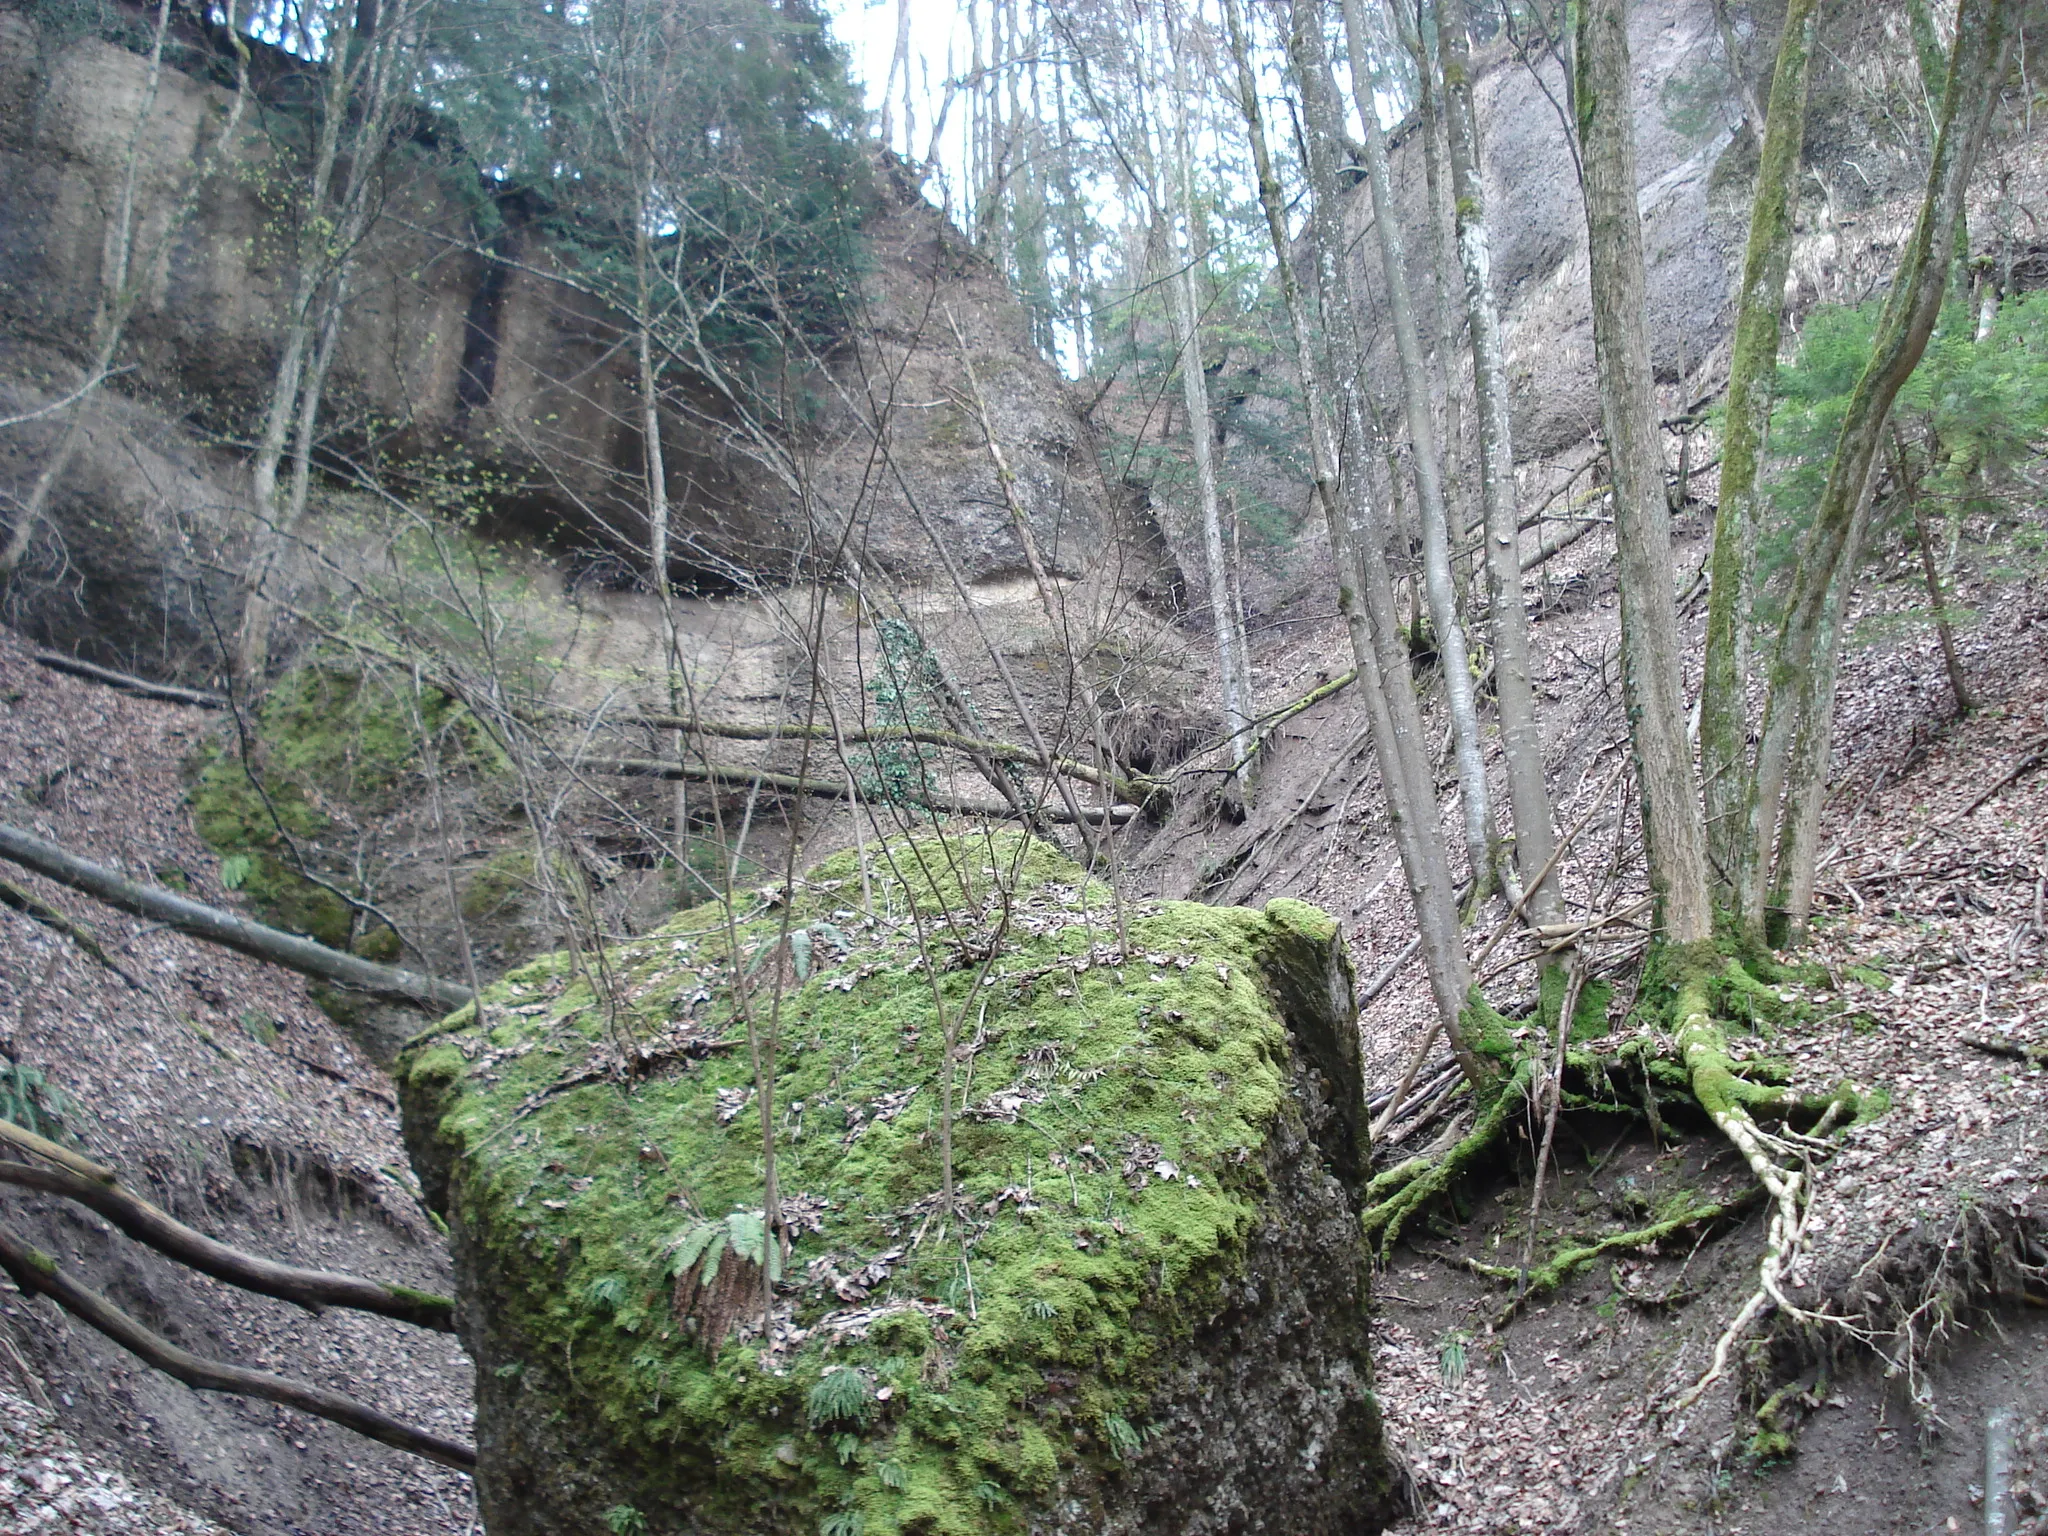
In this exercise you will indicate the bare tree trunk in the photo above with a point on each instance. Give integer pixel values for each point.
(1481, 836)
(1930, 571)
(1355, 536)
(1642, 518)
(1232, 663)
(1985, 32)
(363, 89)
(1420, 37)
(1520, 730)
(1806, 784)
(252, 642)
(899, 64)
(1724, 692)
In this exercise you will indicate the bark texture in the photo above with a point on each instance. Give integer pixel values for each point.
(1642, 518)
(1724, 692)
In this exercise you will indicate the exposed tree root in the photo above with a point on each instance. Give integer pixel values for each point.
(1782, 1162)
(1560, 1267)
(1397, 1194)
(1693, 1056)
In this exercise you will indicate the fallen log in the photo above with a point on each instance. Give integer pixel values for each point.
(142, 687)
(37, 1274)
(827, 789)
(228, 930)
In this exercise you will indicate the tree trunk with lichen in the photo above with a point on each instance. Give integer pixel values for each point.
(1642, 518)
(1724, 690)
(1802, 664)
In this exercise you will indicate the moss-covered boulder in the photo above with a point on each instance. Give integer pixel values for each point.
(1146, 1311)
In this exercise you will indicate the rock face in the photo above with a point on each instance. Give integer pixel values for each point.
(1147, 1315)
(501, 365)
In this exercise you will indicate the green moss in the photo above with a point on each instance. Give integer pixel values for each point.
(1107, 1156)
(502, 882)
(330, 750)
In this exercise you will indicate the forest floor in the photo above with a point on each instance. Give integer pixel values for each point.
(216, 1087)
(217, 1083)
(1930, 934)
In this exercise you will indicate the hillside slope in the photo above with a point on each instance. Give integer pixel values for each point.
(217, 1087)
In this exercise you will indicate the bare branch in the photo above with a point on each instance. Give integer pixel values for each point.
(37, 1274)
(158, 1229)
(226, 929)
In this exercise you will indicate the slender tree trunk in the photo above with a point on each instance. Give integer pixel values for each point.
(1799, 687)
(1076, 290)
(1481, 838)
(1806, 790)
(654, 466)
(1365, 593)
(1930, 571)
(1724, 692)
(1232, 663)
(899, 64)
(1443, 245)
(363, 89)
(252, 641)
(1642, 519)
(1520, 730)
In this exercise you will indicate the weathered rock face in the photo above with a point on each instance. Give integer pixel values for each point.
(1148, 1316)
(1695, 164)
(501, 366)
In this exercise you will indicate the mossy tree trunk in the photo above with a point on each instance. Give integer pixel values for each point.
(1802, 665)
(1724, 691)
(1642, 517)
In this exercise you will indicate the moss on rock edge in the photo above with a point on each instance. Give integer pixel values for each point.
(1156, 1319)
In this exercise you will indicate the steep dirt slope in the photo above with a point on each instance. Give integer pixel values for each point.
(1926, 1239)
(215, 1085)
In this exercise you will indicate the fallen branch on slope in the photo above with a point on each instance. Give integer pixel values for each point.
(156, 1228)
(168, 693)
(826, 789)
(200, 921)
(37, 1274)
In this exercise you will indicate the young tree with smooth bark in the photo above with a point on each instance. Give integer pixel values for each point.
(1357, 532)
(1651, 678)
(1521, 731)
(1425, 465)
(1803, 661)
